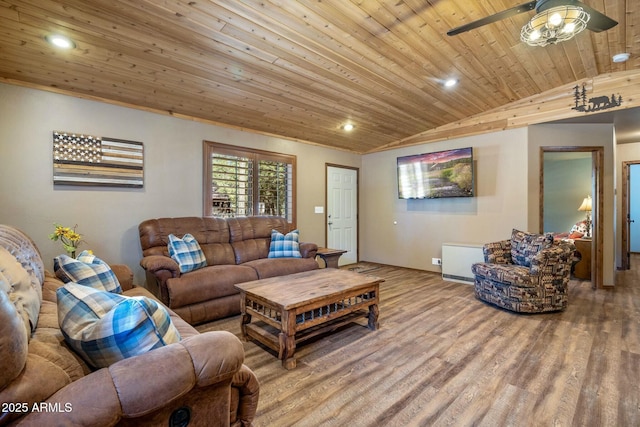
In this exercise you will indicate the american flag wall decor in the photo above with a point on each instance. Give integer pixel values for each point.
(80, 159)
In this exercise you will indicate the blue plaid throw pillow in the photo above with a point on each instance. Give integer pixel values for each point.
(186, 252)
(87, 270)
(104, 327)
(284, 245)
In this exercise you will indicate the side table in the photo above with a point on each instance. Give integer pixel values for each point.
(582, 269)
(330, 256)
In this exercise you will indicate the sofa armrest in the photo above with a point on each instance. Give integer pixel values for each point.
(498, 252)
(52, 282)
(308, 250)
(155, 264)
(124, 275)
(558, 253)
(146, 384)
(247, 390)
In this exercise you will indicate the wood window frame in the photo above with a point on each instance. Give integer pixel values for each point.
(210, 147)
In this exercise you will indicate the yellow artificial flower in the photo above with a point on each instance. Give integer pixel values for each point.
(68, 236)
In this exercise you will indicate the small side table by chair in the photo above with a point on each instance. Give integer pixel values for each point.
(330, 256)
(582, 269)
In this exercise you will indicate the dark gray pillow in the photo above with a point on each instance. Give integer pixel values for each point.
(524, 246)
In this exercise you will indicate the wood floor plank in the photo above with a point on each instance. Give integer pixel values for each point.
(442, 357)
(629, 405)
(506, 407)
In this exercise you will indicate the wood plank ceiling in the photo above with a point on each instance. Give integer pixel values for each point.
(301, 69)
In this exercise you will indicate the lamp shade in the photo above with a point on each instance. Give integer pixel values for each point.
(586, 204)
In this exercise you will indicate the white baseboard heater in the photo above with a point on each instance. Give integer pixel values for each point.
(457, 259)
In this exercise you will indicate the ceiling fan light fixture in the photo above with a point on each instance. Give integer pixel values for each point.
(535, 35)
(555, 19)
(556, 24)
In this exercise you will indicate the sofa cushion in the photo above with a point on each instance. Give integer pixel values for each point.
(186, 252)
(47, 341)
(251, 236)
(211, 233)
(272, 267)
(284, 245)
(24, 249)
(524, 246)
(87, 270)
(13, 340)
(207, 283)
(503, 273)
(104, 327)
(24, 293)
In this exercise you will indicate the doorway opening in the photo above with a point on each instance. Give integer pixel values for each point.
(593, 250)
(630, 212)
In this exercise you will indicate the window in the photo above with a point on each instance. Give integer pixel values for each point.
(245, 182)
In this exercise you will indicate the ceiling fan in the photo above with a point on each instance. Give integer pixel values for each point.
(574, 12)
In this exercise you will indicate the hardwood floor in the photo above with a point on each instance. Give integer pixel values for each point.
(441, 357)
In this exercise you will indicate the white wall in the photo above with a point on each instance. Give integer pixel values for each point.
(409, 233)
(109, 217)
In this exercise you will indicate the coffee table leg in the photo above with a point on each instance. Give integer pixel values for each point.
(287, 346)
(287, 340)
(373, 317)
(246, 317)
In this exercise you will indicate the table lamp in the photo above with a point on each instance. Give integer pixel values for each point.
(586, 207)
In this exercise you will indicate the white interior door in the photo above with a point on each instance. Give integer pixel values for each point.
(342, 212)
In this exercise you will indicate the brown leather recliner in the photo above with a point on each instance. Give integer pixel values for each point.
(236, 250)
(44, 382)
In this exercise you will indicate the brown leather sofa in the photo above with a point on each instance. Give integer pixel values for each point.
(236, 250)
(44, 383)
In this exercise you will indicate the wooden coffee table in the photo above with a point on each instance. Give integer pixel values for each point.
(290, 309)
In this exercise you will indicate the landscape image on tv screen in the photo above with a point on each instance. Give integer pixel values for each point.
(436, 175)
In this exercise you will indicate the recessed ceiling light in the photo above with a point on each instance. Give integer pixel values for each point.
(60, 41)
(348, 127)
(450, 82)
(621, 57)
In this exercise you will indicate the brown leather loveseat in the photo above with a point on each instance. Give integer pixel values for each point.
(236, 251)
(43, 382)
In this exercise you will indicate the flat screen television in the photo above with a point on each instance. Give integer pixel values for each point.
(436, 175)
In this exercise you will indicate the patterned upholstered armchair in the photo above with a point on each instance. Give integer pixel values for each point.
(528, 273)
